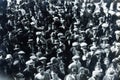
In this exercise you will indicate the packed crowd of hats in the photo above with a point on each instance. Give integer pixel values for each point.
(59, 40)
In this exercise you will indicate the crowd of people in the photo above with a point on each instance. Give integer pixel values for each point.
(59, 40)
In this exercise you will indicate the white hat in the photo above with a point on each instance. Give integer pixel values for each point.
(105, 25)
(118, 14)
(98, 52)
(38, 33)
(60, 34)
(75, 44)
(72, 65)
(21, 52)
(118, 44)
(9, 56)
(111, 12)
(33, 57)
(42, 58)
(118, 21)
(75, 57)
(75, 29)
(30, 62)
(83, 44)
(117, 32)
(93, 47)
(55, 18)
(32, 23)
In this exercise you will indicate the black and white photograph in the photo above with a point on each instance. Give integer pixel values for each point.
(59, 39)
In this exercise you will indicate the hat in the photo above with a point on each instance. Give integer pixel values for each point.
(56, 42)
(60, 34)
(111, 12)
(30, 62)
(59, 50)
(118, 44)
(42, 58)
(117, 32)
(94, 28)
(76, 23)
(21, 52)
(16, 48)
(75, 44)
(105, 25)
(75, 57)
(93, 48)
(9, 56)
(53, 60)
(118, 21)
(33, 57)
(30, 40)
(83, 44)
(75, 29)
(19, 75)
(39, 54)
(38, 33)
(82, 32)
(105, 38)
(55, 18)
(118, 14)
(72, 65)
(32, 23)
(97, 52)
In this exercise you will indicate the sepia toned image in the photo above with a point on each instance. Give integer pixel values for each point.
(59, 39)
